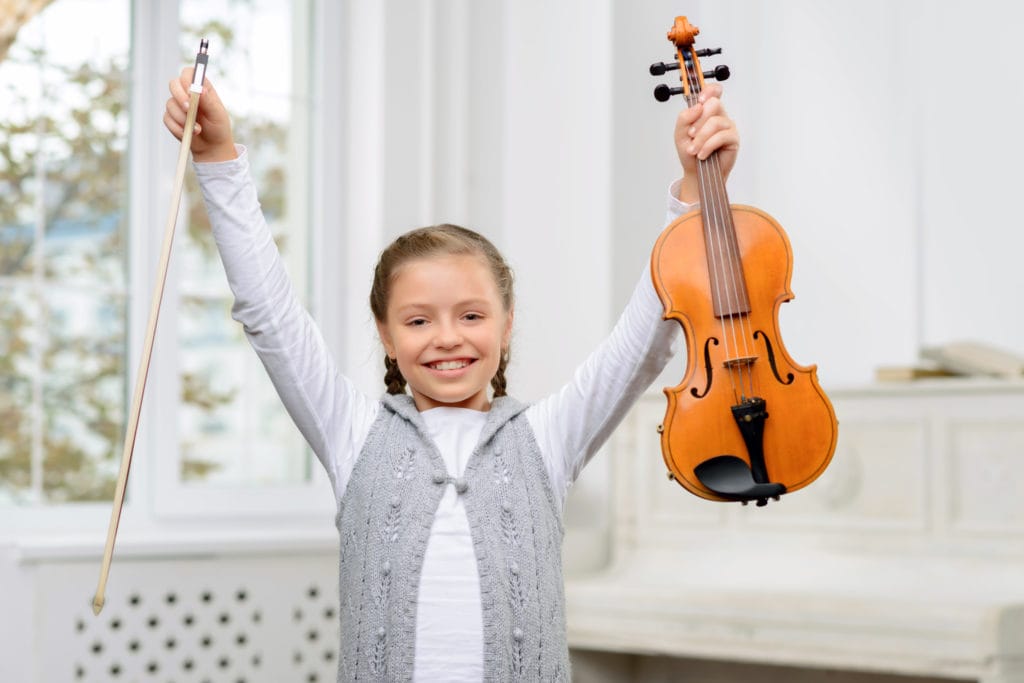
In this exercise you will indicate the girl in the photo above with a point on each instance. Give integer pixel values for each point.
(449, 497)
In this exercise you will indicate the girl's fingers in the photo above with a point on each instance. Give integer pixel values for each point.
(177, 111)
(177, 129)
(212, 124)
(710, 128)
(210, 98)
(185, 79)
(212, 112)
(723, 139)
(710, 90)
(173, 110)
(687, 117)
(693, 120)
(709, 100)
(708, 110)
(179, 86)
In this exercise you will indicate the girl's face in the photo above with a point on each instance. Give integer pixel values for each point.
(447, 327)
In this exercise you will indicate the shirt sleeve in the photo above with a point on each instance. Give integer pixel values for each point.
(332, 415)
(572, 424)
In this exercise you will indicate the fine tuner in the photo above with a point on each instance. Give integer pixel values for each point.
(663, 92)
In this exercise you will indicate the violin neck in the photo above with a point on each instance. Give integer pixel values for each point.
(725, 267)
(709, 171)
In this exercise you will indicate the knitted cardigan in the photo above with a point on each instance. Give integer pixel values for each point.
(384, 521)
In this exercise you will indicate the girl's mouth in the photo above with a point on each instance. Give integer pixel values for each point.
(449, 364)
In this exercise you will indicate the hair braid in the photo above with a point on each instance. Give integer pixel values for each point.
(498, 382)
(393, 376)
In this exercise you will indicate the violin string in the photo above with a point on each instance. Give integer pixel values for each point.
(715, 235)
(743, 318)
(718, 208)
(713, 239)
(731, 267)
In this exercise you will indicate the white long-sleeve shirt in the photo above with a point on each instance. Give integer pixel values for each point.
(335, 418)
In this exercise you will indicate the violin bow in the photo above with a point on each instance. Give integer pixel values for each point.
(195, 89)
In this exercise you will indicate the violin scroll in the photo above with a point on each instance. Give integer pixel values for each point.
(682, 35)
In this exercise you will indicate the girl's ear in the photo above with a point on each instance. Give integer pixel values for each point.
(507, 336)
(385, 339)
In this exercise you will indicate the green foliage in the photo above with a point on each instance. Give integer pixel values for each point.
(62, 161)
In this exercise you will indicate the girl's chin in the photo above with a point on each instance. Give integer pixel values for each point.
(477, 401)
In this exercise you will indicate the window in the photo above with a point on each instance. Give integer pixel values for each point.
(78, 234)
(232, 436)
(63, 142)
(232, 428)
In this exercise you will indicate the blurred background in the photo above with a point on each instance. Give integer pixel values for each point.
(883, 136)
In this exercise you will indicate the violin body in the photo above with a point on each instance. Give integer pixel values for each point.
(735, 358)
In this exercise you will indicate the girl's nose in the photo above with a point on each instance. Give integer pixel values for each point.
(448, 336)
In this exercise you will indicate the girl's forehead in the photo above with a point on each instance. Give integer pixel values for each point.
(447, 274)
(443, 266)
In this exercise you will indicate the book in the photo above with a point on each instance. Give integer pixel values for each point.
(975, 358)
(908, 373)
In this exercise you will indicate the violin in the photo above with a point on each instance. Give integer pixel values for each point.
(746, 422)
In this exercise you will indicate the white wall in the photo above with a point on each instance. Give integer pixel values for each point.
(881, 135)
(16, 643)
(970, 104)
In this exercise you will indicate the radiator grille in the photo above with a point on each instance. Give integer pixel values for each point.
(210, 622)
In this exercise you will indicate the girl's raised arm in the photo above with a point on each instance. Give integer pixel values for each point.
(572, 424)
(330, 413)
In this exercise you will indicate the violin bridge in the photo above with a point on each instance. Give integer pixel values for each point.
(742, 361)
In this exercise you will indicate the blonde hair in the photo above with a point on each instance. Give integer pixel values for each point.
(437, 240)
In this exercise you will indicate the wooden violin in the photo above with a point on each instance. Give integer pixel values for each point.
(746, 422)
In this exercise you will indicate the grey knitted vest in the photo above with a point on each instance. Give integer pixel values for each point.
(384, 521)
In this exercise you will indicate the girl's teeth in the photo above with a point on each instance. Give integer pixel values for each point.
(450, 365)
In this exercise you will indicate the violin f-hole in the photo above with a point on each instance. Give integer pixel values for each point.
(771, 359)
(707, 369)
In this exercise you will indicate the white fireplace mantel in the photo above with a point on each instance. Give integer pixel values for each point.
(906, 556)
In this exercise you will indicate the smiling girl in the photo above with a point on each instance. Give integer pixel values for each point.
(450, 496)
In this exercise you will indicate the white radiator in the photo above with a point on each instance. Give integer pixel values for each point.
(238, 617)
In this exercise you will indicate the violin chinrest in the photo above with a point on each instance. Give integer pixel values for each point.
(731, 478)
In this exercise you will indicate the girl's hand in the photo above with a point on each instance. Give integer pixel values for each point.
(700, 130)
(211, 139)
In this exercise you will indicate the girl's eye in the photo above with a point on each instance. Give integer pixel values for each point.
(473, 316)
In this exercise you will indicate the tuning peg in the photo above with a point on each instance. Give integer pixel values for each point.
(659, 68)
(707, 52)
(720, 73)
(663, 92)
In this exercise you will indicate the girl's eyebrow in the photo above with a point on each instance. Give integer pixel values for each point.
(425, 305)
